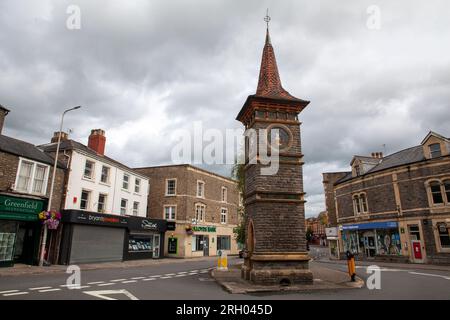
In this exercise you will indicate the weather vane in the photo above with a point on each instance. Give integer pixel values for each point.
(267, 18)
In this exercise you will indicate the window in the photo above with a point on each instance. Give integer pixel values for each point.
(436, 193)
(85, 198)
(200, 212)
(444, 236)
(447, 189)
(101, 205)
(223, 243)
(170, 212)
(135, 208)
(39, 179)
(89, 169)
(171, 187)
(357, 170)
(32, 177)
(200, 189)
(435, 150)
(105, 174)
(356, 205)
(360, 203)
(198, 242)
(126, 181)
(224, 194)
(137, 185)
(223, 215)
(24, 181)
(363, 200)
(123, 207)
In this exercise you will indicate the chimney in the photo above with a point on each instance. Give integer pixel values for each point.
(377, 155)
(64, 136)
(97, 141)
(3, 113)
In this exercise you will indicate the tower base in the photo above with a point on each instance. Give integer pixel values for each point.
(277, 269)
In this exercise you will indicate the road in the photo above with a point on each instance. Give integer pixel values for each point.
(191, 280)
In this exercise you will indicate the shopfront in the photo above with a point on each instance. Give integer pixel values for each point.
(90, 237)
(371, 239)
(145, 238)
(20, 230)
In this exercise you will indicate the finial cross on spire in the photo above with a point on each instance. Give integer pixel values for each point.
(267, 18)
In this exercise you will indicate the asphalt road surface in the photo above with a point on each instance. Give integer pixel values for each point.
(191, 280)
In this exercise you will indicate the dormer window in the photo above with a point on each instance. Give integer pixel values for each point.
(435, 150)
(357, 170)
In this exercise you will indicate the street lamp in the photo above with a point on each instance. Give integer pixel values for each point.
(44, 238)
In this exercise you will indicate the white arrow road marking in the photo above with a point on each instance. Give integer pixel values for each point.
(430, 275)
(40, 288)
(8, 291)
(104, 294)
(14, 294)
(49, 290)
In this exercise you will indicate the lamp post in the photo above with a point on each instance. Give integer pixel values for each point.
(44, 238)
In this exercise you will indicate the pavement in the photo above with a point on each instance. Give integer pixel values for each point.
(323, 279)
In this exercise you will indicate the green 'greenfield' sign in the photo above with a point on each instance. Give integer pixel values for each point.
(204, 229)
(20, 208)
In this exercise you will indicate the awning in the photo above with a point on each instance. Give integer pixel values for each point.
(371, 225)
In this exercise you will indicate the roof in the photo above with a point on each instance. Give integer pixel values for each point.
(3, 108)
(366, 159)
(188, 166)
(24, 149)
(74, 145)
(432, 133)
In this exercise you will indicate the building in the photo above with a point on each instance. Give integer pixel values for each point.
(395, 207)
(316, 226)
(276, 250)
(25, 179)
(203, 204)
(104, 206)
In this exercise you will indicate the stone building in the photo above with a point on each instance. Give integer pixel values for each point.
(395, 207)
(25, 180)
(204, 206)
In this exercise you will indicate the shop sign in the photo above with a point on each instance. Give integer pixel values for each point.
(371, 225)
(76, 216)
(20, 208)
(145, 224)
(204, 228)
(331, 232)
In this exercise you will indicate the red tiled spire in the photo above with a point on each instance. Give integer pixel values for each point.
(269, 84)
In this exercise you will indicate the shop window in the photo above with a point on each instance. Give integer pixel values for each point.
(101, 205)
(170, 212)
(137, 185)
(388, 242)
(171, 187)
(200, 189)
(200, 210)
(435, 150)
(223, 243)
(223, 215)
(105, 174)
(436, 193)
(123, 207)
(126, 181)
(135, 208)
(198, 243)
(84, 201)
(89, 169)
(140, 243)
(444, 236)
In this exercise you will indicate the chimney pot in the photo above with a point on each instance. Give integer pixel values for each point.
(97, 141)
(64, 136)
(3, 113)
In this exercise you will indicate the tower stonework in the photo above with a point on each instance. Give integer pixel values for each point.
(274, 204)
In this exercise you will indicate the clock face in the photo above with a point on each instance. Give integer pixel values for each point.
(279, 138)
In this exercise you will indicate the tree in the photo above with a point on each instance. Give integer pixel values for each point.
(238, 174)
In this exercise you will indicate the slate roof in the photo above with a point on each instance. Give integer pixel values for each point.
(24, 149)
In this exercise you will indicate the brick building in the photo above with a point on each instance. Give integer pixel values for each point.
(25, 180)
(317, 225)
(204, 206)
(395, 207)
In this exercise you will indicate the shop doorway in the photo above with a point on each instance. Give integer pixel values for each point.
(156, 242)
(369, 244)
(27, 237)
(205, 246)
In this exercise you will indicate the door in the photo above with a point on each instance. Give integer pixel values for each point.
(205, 246)
(156, 242)
(25, 244)
(416, 246)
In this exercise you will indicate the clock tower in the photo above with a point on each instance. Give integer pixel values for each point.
(274, 204)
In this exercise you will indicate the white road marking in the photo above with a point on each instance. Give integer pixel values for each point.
(204, 271)
(182, 272)
(382, 269)
(8, 291)
(102, 294)
(14, 294)
(165, 277)
(129, 281)
(118, 280)
(138, 278)
(193, 273)
(150, 279)
(430, 275)
(78, 287)
(49, 290)
(40, 288)
(96, 282)
(170, 274)
(181, 275)
(156, 276)
(106, 284)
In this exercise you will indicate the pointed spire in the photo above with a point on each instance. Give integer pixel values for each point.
(269, 83)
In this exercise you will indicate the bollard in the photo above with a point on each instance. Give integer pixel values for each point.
(351, 265)
(222, 263)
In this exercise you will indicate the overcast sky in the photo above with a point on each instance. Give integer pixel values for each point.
(142, 69)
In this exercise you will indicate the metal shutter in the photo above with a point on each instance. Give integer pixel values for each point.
(96, 244)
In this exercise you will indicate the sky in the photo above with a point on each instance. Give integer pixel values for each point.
(377, 73)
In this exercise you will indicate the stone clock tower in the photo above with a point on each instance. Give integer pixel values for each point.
(274, 204)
